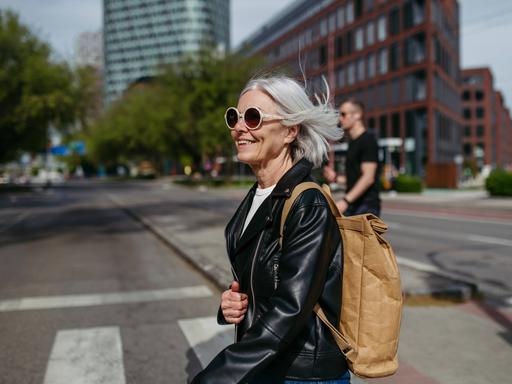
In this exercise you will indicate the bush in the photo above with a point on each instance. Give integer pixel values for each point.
(408, 183)
(499, 183)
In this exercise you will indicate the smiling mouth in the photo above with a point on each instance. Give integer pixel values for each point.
(244, 142)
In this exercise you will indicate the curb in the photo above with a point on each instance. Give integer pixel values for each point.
(215, 275)
(458, 289)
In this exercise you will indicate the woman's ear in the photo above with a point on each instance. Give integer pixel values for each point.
(293, 131)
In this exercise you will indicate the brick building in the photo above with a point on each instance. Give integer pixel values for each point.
(487, 129)
(504, 133)
(400, 57)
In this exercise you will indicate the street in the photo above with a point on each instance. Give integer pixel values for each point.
(476, 249)
(91, 290)
(106, 293)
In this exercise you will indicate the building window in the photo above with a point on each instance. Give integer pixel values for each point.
(340, 77)
(360, 69)
(359, 37)
(349, 11)
(467, 131)
(351, 76)
(467, 149)
(338, 46)
(370, 33)
(349, 42)
(413, 13)
(371, 123)
(332, 23)
(479, 95)
(394, 21)
(395, 125)
(381, 28)
(479, 130)
(340, 15)
(359, 8)
(371, 65)
(383, 61)
(466, 113)
(479, 113)
(383, 126)
(394, 57)
(414, 49)
(415, 86)
(323, 27)
(466, 95)
(473, 80)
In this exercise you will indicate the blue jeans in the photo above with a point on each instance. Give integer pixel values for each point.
(345, 379)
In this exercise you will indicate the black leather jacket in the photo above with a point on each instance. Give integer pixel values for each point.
(280, 336)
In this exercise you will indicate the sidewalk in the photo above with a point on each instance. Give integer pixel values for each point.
(465, 343)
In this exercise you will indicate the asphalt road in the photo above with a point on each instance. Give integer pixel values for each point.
(82, 285)
(479, 250)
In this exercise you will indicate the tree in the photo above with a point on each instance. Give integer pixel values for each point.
(180, 114)
(34, 92)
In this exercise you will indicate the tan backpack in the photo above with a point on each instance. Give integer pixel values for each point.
(371, 305)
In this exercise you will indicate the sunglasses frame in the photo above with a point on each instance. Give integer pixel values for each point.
(263, 116)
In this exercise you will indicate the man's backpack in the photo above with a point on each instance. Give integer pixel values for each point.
(371, 304)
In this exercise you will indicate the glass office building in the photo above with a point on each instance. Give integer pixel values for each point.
(141, 34)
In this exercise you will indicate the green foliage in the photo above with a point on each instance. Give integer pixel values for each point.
(34, 92)
(408, 183)
(178, 116)
(499, 183)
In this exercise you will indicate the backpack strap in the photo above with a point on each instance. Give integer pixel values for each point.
(341, 341)
(296, 193)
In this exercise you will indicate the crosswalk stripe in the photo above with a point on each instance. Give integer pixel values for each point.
(86, 356)
(72, 301)
(206, 337)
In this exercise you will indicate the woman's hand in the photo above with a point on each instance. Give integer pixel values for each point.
(234, 304)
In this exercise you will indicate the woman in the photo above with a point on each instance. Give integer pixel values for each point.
(281, 135)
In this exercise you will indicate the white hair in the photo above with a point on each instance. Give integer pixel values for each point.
(317, 123)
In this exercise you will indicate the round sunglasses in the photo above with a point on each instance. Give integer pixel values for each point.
(253, 117)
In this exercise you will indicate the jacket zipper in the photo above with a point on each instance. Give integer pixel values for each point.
(252, 272)
(236, 278)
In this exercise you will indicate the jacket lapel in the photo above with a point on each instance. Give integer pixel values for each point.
(265, 213)
(235, 226)
(256, 225)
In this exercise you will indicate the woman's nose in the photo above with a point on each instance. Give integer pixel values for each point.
(240, 125)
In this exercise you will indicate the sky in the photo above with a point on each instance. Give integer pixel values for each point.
(486, 33)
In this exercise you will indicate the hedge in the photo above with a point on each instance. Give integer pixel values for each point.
(408, 183)
(499, 183)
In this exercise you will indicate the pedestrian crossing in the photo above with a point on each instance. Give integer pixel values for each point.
(86, 356)
(95, 355)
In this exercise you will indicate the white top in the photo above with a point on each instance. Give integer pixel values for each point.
(259, 197)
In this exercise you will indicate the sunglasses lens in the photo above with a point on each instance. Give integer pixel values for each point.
(231, 117)
(252, 117)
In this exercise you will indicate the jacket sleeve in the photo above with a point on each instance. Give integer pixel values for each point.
(305, 257)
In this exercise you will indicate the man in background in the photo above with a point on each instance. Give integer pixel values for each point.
(362, 164)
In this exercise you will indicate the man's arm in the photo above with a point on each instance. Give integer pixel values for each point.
(368, 171)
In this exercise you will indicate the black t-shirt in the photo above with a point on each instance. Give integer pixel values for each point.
(363, 149)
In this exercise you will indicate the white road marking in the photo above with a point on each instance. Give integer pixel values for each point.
(451, 236)
(206, 337)
(447, 216)
(417, 265)
(22, 216)
(490, 240)
(72, 301)
(86, 356)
